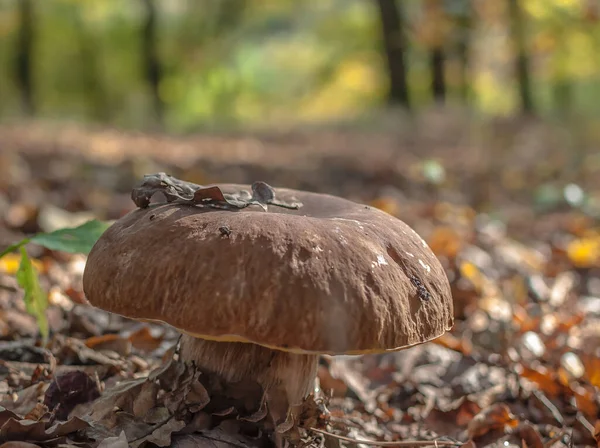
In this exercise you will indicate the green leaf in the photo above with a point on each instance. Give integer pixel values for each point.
(13, 247)
(36, 301)
(74, 240)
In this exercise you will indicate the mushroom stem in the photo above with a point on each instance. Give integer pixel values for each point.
(279, 373)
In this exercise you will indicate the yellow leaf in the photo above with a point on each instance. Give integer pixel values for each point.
(386, 204)
(446, 241)
(471, 272)
(9, 264)
(584, 252)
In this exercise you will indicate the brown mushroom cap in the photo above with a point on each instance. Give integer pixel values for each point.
(333, 277)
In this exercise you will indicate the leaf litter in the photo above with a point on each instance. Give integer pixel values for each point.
(521, 367)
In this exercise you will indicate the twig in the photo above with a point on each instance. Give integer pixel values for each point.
(555, 439)
(550, 406)
(403, 443)
(8, 288)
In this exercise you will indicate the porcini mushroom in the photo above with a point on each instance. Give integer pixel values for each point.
(260, 281)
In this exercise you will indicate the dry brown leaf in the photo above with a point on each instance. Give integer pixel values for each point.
(145, 399)
(330, 385)
(161, 435)
(592, 369)
(68, 390)
(19, 445)
(216, 438)
(530, 437)
(26, 399)
(461, 345)
(121, 396)
(495, 418)
(144, 340)
(37, 413)
(544, 379)
(16, 428)
(112, 342)
(452, 420)
(115, 442)
(445, 241)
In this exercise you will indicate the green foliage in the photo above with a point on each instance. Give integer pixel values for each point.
(234, 62)
(36, 300)
(73, 240)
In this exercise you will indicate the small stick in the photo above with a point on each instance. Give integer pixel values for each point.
(555, 439)
(550, 406)
(403, 443)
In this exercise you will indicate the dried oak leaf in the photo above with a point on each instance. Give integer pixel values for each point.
(38, 412)
(497, 417)
(112, 342)
(17, 428)
(597, 432)
(530, 437)
(214, 438)
(115, 442)
(68, 390)
(26, 399)
(546, 380)
(184, 384)
(161, 434)
(144, 340)
(122, 396)
(19, 445)
(453, 418)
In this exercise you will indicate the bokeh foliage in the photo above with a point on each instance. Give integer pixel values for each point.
(228, 62)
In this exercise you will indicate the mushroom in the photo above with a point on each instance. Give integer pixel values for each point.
(260, 290)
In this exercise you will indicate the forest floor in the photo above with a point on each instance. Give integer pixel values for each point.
(511, 214)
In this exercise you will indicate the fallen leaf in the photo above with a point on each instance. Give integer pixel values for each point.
(215, 438)
(144, 340)
(26, 399)
(19, 445)
(529, 436)
(115, 442)
(161, 436)
(9, 264)
(68, 390)
(111, 341)
(497, 417)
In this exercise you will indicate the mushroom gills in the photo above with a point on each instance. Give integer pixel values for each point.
(278, 372)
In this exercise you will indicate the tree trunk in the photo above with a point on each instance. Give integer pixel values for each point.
(463, 44)
(91, 73)
(435, 25)
(394, 41)
(152, 68)
(522, 58)
(438, 80)
(24, 57)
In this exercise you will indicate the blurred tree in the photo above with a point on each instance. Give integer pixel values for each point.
(91, 73)
(436, 20)
(151, 60)
(517, 29)
(394, 41)
(463, 18)
(23, 57)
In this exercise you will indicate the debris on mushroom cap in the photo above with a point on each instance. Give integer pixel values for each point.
(326, 275)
